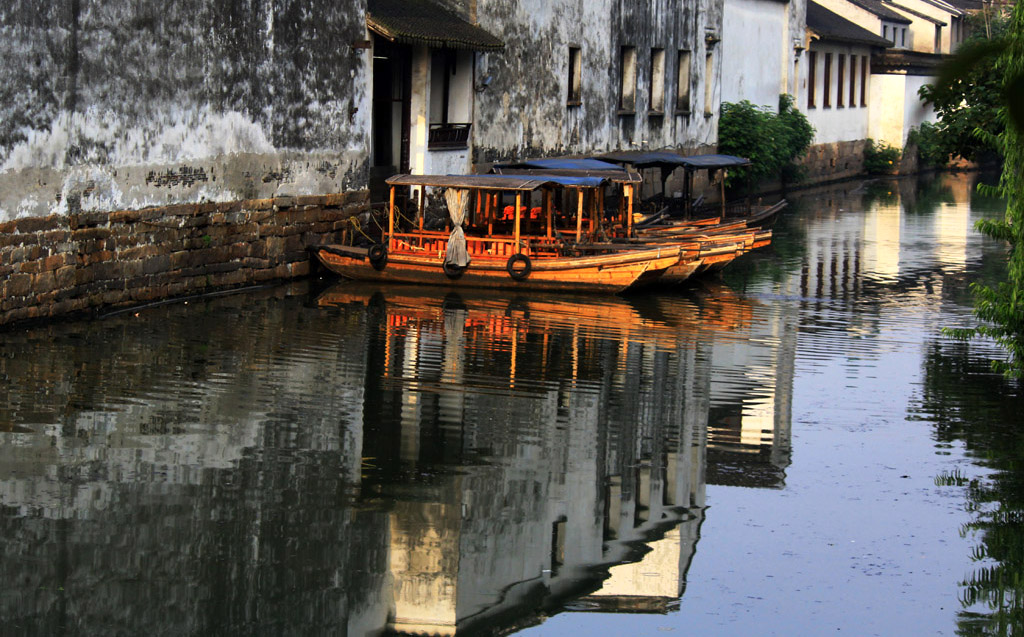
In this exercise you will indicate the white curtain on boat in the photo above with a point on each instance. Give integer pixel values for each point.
(458, 203)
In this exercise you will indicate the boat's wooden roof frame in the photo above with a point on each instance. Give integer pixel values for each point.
(496, 182)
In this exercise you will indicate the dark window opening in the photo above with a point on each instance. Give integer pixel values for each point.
(575, 97)
(826, 82)
(812, 73)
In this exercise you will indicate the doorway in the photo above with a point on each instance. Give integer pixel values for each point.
(392, 89)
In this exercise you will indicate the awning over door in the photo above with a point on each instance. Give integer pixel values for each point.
(425, 22)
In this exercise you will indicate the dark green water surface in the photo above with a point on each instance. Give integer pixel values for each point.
(792, 449)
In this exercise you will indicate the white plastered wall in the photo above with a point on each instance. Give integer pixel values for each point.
(835, 123)
(754, 66)
(895, 107)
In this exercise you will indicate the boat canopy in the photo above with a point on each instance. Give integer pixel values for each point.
(663, 159)
(497, 182)
(583, 167)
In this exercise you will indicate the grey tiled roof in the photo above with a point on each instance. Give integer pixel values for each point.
(424, 22)
(880, 10)
(835, 28)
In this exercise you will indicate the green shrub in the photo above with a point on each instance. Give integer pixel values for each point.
(880, 158)
(771, 141)
(930, 149)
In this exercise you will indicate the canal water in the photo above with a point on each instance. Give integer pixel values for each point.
(790, 449)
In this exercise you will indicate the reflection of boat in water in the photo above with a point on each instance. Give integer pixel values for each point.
(663, 320)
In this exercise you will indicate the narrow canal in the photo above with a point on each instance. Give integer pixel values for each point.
(792, 449)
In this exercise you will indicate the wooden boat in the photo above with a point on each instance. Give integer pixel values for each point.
(709, 242)
(517, 246)
(686, 206)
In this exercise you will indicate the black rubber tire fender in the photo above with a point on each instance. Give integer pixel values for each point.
(378, 255)
(451, 270)
(522, 272)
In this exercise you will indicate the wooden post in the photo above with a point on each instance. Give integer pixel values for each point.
(579, 214)
(391, 217)
(489, 213)
(590, 219)
(548, 210)
(422, 196)
(688, 193)
(519, 201)
(420, 211)
(629, 209)
(722, 183)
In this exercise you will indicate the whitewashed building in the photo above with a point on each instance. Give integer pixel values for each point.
(897, 74)
(762, 41)
(838, 75)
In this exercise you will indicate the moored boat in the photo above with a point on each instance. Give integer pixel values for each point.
(715, 240)
(508, 241)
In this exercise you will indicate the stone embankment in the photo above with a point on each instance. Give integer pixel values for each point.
(100, 261)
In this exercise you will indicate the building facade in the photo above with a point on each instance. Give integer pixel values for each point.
(129, 105)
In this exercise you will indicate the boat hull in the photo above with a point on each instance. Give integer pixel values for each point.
(606, 273)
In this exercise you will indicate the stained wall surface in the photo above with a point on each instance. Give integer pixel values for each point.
(117, 104)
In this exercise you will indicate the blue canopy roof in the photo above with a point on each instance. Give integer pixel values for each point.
(579, 167)
(562, 164)
(663, 159)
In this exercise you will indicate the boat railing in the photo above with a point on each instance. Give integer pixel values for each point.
(435, 243)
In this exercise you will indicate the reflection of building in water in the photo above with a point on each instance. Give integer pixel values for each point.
(883, 237)
(386, 463)
(750, 414)
(183, 471)
(579, 440)
(953, 221)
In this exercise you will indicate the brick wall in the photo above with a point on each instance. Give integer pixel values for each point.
(55, 265)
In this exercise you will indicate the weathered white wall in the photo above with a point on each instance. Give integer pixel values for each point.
(523, 113)
(123, 104)
(916, 111)
(835, 124)
(921, 32)
(754, 51)
(895, 107)
(886, 109)
(900, 34)
(925, 42)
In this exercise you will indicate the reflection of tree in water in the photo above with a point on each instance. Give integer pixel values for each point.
(969, 403)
